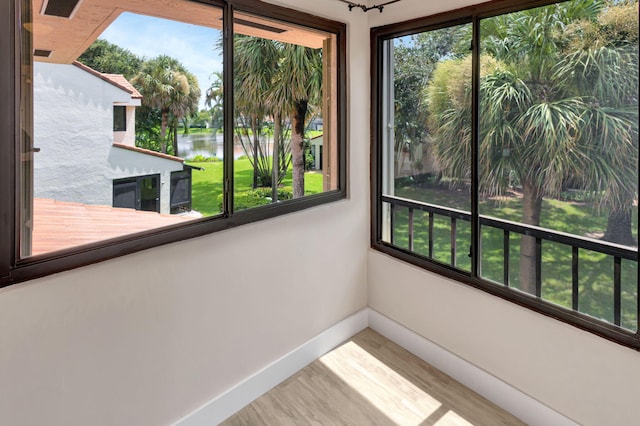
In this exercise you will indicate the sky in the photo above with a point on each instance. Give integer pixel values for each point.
(149, 37)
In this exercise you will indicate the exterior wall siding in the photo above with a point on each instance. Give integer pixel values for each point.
(128, 137)
(73, 127)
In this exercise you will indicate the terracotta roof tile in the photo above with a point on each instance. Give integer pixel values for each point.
(117, 80)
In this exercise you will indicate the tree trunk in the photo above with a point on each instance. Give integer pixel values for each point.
(619, 228)
(297, 147)
(531, 208)
(254, 128)
(163, 131)
(175, 140)
(275, 158)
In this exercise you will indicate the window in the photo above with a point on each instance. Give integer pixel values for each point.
(119, 118)
(506, 155)
(154, 147)
(273, 120)
(181, 191)
(141, 193)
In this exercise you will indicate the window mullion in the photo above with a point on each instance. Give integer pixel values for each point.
(8, 127)
(475, 131)
(228, 105)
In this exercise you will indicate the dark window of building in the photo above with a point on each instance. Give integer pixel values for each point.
(181, 191)
(140, 193)
(119, 118)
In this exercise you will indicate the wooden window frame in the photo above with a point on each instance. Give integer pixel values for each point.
(14, 269)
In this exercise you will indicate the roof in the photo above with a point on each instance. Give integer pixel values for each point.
(60, 224)
(67, 38)
(120, 81)
(117, 80)
(148, 152)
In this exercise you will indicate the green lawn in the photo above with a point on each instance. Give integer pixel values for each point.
(207, 183)
(197, 130)
(595, 273)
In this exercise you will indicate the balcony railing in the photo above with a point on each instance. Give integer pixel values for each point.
(576, 243)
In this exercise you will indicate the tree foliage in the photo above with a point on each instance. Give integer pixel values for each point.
(167, 86)
(110, 58)
(415, 59)
(214, 101)
(170, 92)
(274, 82)
(554, 108)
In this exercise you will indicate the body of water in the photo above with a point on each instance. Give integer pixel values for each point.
(207, 145)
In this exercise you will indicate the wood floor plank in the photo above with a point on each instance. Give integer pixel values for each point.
(370, 380)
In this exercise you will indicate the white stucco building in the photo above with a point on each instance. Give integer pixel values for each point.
(316, 145)
(84, 129)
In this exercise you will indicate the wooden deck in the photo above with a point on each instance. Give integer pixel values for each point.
(59, 224)
(370, 380)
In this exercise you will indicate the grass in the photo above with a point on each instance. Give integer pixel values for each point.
(207, 183)
(595, 269)
(198, 130)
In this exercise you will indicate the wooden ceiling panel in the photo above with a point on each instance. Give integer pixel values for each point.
(291, 33)
(67, 38)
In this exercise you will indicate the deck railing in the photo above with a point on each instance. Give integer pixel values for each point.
(618, 252)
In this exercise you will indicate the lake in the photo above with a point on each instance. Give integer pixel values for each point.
(206, 145)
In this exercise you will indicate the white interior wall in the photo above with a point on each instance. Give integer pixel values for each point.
(582, 376)
(147, 338)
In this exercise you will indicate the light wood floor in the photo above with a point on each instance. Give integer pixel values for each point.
(369, 380)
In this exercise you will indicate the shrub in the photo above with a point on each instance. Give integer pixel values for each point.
(256, 197)
(202, 159)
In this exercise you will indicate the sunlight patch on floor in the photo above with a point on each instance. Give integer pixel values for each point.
(451, 418)
(396, 397)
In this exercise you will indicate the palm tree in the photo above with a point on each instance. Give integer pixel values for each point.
(296, 89)
(598, 54)
(276, 79)
(535, 121)
(168, 87)
(254, 73)
(184, 106)
(214, 101)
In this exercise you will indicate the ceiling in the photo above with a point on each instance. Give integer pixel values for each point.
(67, 38)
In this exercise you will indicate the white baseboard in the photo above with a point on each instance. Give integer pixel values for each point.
(526, 408)
(521, 405)
(225, 405)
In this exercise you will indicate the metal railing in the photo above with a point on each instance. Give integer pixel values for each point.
(618, 252)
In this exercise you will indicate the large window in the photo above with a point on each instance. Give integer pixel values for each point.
(134, 125)
(506, 154)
